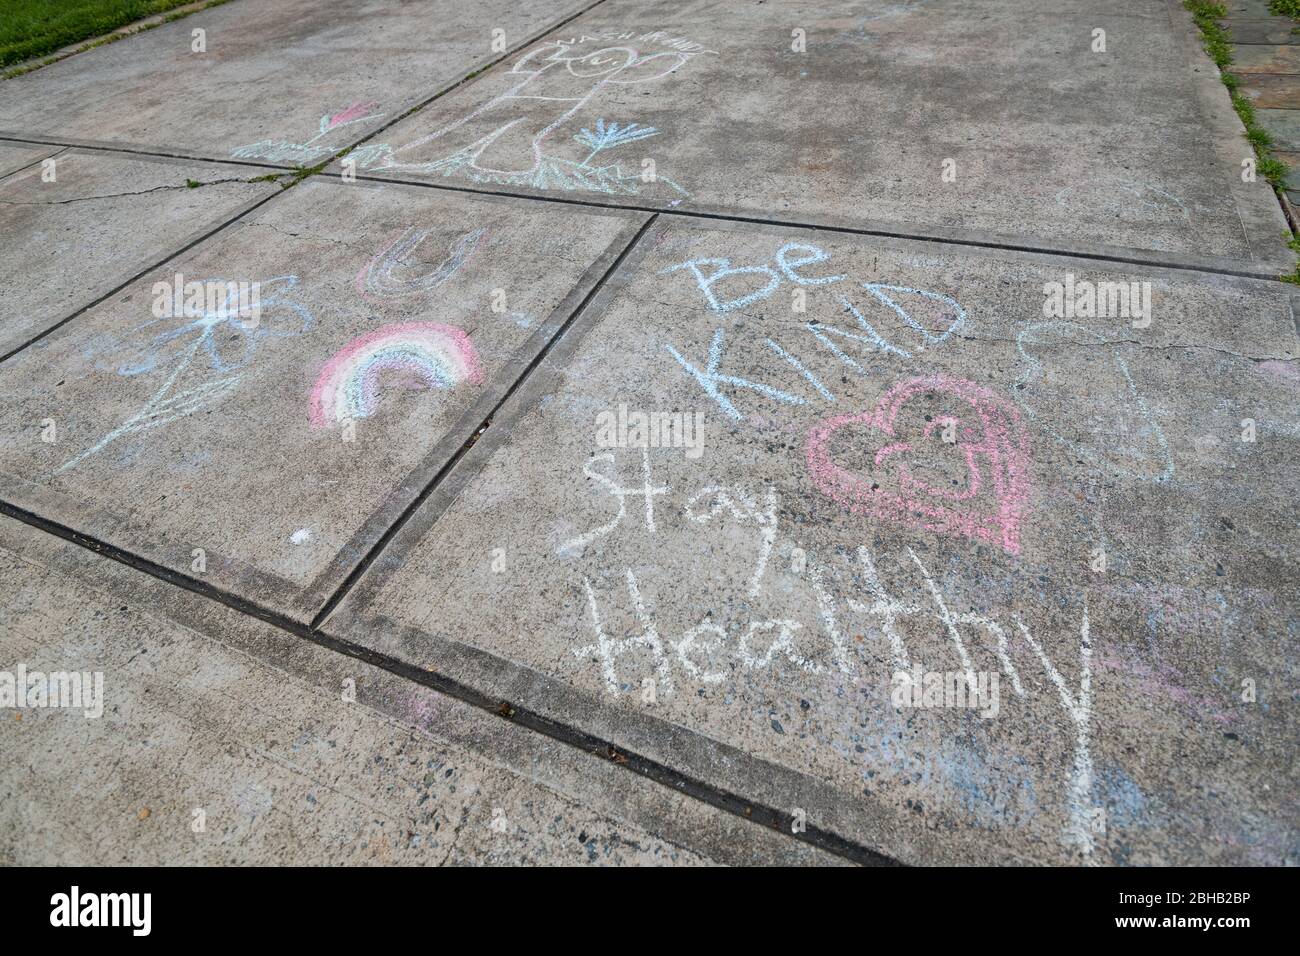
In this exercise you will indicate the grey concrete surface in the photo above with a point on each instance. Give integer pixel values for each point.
(892, 455)
(223, 742)
(916, 117)
(277, 449)
(289, 82)
(103, 219)
(1097, 536)
(14, 156)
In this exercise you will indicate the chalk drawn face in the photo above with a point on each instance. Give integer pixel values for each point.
(937, 453)
(602, 62)
(410, 355)
(1118, 434)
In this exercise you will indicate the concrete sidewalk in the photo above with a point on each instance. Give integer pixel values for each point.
(620, 437)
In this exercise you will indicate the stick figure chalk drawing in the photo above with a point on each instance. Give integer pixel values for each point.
(380, 277)
(203, 366)
(1137, 445)
(433, 356)
(313, 150)
(992, 444)
(550, 86)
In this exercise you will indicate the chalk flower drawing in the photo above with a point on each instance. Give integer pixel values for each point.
(550, 86)
(992, 443)
(379, 278)
(212, 347)
(310, 151)
(431, 356)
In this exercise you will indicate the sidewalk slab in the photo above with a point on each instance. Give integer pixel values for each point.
(1270, 90)
(288, 83)
(1274, 30)
(266, 452)
(917, 119)
(105, 218)
(1266, 59)
(15, 156)
(225, 742)
(1282, 125)
(921, 470)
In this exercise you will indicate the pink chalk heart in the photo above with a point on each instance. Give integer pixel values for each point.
(989, 438)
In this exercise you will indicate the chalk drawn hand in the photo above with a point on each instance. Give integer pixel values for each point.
(1123, 436)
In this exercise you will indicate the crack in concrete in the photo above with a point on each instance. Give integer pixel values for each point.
(140, 192)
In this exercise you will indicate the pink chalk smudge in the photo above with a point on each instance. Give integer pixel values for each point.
(1281, 369)
(994, 445)
(354, 112)
(1159, 682)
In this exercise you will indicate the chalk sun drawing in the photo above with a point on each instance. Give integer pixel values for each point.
(1147, 458)
(436, 356)
(189, 385)
(550, 86)
(991, 441)
(379, 278)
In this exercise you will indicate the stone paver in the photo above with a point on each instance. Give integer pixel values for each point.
(1097, 535)
(278, 448)
(103, 219)
(207, 710)
(918, 118)
(1275, 30)
(1271, 90)
(289, 82)
(1283, 125)
(1266, 59)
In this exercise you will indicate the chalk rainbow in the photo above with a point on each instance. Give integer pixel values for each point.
(439, 356)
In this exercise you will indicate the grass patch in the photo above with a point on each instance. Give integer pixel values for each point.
(302, 172)
(32, 28)
(1207, 15)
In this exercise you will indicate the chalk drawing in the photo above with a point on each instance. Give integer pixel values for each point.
(743, 507)
(1286, 370)
(647, 490)
(310, 151)
(760, 282)
(709, 378)
(379, 278)
(550, 86)
(206, 338)
(1078, 707)
(608, 649)
(433, 356)
(1148, 450)
(611, 135)
(991, 441)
